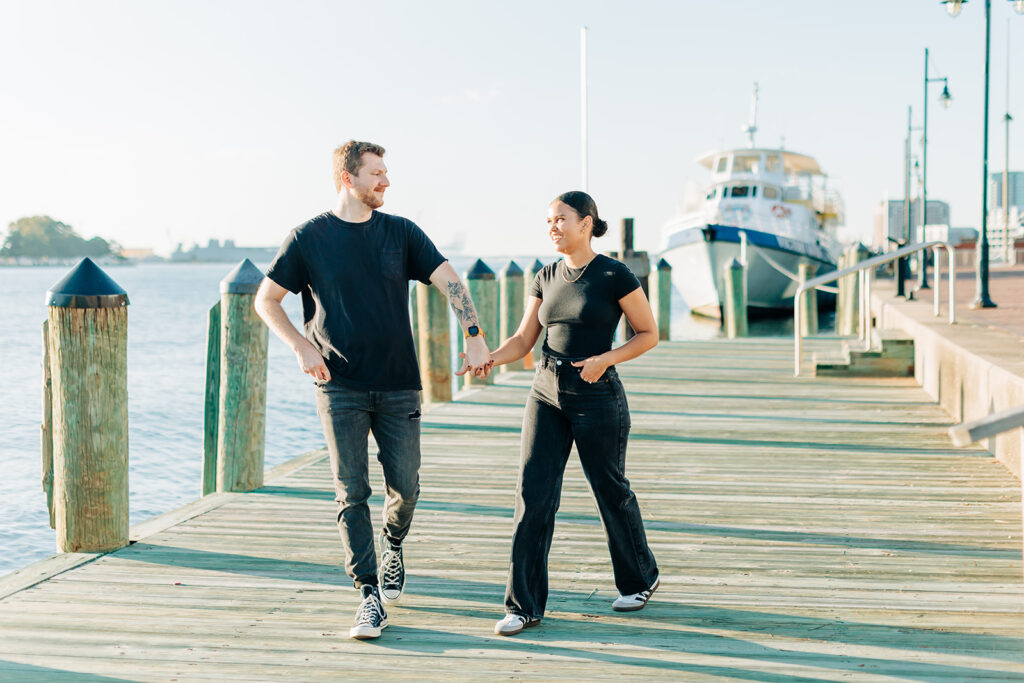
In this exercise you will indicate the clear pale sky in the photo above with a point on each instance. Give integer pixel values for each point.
(156, 122)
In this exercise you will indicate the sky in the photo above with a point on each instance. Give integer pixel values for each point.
(158, 122)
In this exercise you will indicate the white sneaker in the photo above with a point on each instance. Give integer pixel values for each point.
(631, 603)
(513, 624)
(371, 618)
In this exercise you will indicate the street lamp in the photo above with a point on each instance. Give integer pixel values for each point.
(945, 99)
(982, 299)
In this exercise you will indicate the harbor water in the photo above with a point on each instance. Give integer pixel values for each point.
(166, 376)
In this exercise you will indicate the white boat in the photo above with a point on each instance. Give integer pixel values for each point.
(769, 208)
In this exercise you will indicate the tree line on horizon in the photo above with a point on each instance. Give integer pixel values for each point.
(42, 237)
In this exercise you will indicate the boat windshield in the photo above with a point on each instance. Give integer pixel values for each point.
(739, 191)
(746, 163)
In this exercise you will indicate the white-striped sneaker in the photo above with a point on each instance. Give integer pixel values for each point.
(371, 618)
(391, 574)
(513, 624)
(631, 603)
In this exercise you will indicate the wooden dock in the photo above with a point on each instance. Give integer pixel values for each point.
(806, 529)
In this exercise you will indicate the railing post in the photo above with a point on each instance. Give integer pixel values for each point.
(434, 342)
(483, 288)
(88, 344)
(511, 288)
(661, 298)
(735, 300)
(532, 358)
(242, 413)
(809, 319)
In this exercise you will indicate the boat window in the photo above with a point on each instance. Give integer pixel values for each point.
(753, 191)
(739, 191)
(770, 192)
(720, 168)
(746, 163)
(771, 163)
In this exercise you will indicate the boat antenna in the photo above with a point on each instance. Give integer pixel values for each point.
(751, 127)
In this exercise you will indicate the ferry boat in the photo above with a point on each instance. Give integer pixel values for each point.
(769, 208)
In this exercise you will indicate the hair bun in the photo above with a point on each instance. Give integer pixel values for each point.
(600, 227)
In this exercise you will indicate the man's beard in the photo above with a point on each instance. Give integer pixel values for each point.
(370, 199)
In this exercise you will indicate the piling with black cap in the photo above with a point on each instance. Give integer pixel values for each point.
(531, 360)
(87, 339)
(661, 298)
(483, 289)
(242, 412)
(434, 342)
(734, 306)
(510, 292)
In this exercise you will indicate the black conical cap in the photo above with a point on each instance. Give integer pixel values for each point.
(512, 270)
(536, 267)
(480, 271)
(244, 279)
(86, 286)
(664, 265)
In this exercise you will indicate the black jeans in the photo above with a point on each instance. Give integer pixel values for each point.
(347, 416)
(562, 409)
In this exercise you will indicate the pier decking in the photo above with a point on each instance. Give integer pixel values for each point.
(806, 529)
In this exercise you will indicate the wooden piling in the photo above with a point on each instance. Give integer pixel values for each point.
(211, 412)
(809, 317)
(434, 342)
(532, 358)
(483, 288)
(661, 298)
(734, 314)
(242, 411)
(843, 294)
(88, 344)
(414, 318)
(46, 431)
(510, 286)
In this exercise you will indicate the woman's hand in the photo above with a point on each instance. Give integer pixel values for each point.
(480, 371)
(593, 368)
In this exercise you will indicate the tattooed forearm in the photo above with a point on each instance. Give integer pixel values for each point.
(460, 302)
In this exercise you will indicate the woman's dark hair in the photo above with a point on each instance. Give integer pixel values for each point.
(583, 204)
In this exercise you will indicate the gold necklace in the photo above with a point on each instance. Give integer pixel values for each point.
(565, 267)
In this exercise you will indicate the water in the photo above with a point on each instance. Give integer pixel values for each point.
(166, 379)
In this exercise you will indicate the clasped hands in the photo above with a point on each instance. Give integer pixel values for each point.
(477, 359)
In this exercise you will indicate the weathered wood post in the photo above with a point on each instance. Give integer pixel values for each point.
(531, 360)
(46, 432)
(414, 318)
(843, 294)
(242, 414)
(511, 288)
(483, 288)
(809, 317)
(211, 421)
(636, 261)
(735, 305)
(434, 342)
(661, 298)
(88, 344)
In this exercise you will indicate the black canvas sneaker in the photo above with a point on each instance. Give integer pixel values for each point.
(391, 574)
(371, 618)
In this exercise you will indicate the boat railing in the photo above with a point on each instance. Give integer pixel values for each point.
(865, 272)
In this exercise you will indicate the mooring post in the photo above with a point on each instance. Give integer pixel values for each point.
(661, 298)
(809, 319)
(242, 412)
(636, 261)
(88, 345)
(842, 294)
(735, 313)
(211, 422)
(510, 286)
(414, 317)
(434, 342)
(46, 433)
(483, 288)
(532, 358)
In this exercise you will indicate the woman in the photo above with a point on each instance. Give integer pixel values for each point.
(576, 398)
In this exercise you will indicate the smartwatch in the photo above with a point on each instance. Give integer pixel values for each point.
(474, 331)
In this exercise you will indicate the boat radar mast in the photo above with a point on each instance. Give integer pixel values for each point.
(751, 127)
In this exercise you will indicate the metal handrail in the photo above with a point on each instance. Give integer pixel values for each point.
(966, 433)
(863, 270)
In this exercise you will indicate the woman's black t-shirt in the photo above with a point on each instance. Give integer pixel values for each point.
(581, 316)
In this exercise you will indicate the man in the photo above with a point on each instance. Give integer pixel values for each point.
(352, 268)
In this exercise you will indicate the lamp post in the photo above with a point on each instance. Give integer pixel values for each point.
(945, 98)
(982, 298)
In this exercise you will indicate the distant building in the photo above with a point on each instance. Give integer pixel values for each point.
(228, 252)
(889, 220)
(1015, 190)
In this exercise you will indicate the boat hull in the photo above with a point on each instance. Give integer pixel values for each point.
(699, 257)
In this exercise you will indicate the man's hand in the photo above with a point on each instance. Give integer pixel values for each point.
(311, 362)
(477, 353)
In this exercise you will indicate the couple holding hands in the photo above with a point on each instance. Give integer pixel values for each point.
(351, 266)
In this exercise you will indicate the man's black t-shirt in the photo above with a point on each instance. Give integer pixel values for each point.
(581, 316)
(354, 283)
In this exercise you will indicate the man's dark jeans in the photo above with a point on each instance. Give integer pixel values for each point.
(562, 408)
(348, 415)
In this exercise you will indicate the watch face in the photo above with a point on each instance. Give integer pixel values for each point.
(473, 330)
